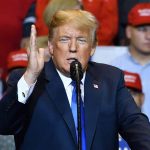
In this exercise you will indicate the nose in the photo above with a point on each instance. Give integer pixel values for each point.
(73, 46)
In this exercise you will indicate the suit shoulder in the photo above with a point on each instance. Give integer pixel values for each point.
(104, 68)
(105, 72)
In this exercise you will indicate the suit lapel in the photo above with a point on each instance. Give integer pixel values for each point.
(92, 102)
(92, 96)
(57, 94)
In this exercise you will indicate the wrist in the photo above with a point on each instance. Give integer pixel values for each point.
(30, 77)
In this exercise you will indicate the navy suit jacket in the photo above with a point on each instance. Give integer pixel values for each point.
(46, 121)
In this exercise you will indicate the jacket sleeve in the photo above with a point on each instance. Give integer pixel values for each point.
(12, 112)
(134, 126)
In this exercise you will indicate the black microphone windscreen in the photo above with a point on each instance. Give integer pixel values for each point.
(76, 72)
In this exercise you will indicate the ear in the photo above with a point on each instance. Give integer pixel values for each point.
(92, 51)
(50, 46)
(142, 98)
(128, 31)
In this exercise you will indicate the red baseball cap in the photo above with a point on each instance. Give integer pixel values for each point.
(133, 80)
(17, 59)
(139, 14)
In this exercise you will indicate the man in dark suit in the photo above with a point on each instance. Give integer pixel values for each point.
(36, 107)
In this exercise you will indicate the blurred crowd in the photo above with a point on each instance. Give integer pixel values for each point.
(121, 23)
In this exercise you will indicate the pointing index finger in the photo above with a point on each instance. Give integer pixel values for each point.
(33, 38)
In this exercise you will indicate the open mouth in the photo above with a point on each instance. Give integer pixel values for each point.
(70, 60)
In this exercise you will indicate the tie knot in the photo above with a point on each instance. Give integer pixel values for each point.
(75, 87)
(73, 83)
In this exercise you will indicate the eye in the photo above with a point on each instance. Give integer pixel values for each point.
(82, 40)
(64, 39)
(142, 28)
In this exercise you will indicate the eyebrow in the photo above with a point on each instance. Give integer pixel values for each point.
(79, 37)
(64, 36)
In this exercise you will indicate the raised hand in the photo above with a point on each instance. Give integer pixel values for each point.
(35, 59)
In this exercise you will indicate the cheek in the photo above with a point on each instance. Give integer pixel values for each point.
(138, 37)
(84, 55)
(59, 51)
(137, 41)
(84, 58)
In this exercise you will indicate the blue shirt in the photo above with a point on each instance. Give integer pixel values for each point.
(128, 63)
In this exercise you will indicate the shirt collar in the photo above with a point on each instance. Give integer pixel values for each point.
(134, 60)
(67, 80)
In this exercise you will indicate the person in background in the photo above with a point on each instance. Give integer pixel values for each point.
(106, 12)
(45, 9)
(134, 85)
(124, 8)
(38, 106)
(137, 58)
(16, 18)
(16, 60)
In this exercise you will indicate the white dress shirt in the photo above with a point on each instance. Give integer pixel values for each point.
(24, 90)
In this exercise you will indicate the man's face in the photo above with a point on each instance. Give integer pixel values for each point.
(139, 38)
(69, 43)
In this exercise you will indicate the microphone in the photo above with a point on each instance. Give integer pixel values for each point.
(76, 72)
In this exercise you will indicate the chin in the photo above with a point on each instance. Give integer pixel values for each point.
(67, 73)
(67, 69)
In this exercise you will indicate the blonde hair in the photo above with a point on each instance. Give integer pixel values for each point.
(82, 20)
(55, 5)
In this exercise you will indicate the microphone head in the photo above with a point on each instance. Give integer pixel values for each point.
(76, 72)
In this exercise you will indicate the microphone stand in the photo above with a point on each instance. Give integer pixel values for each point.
(76, 75)
(79, 121)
